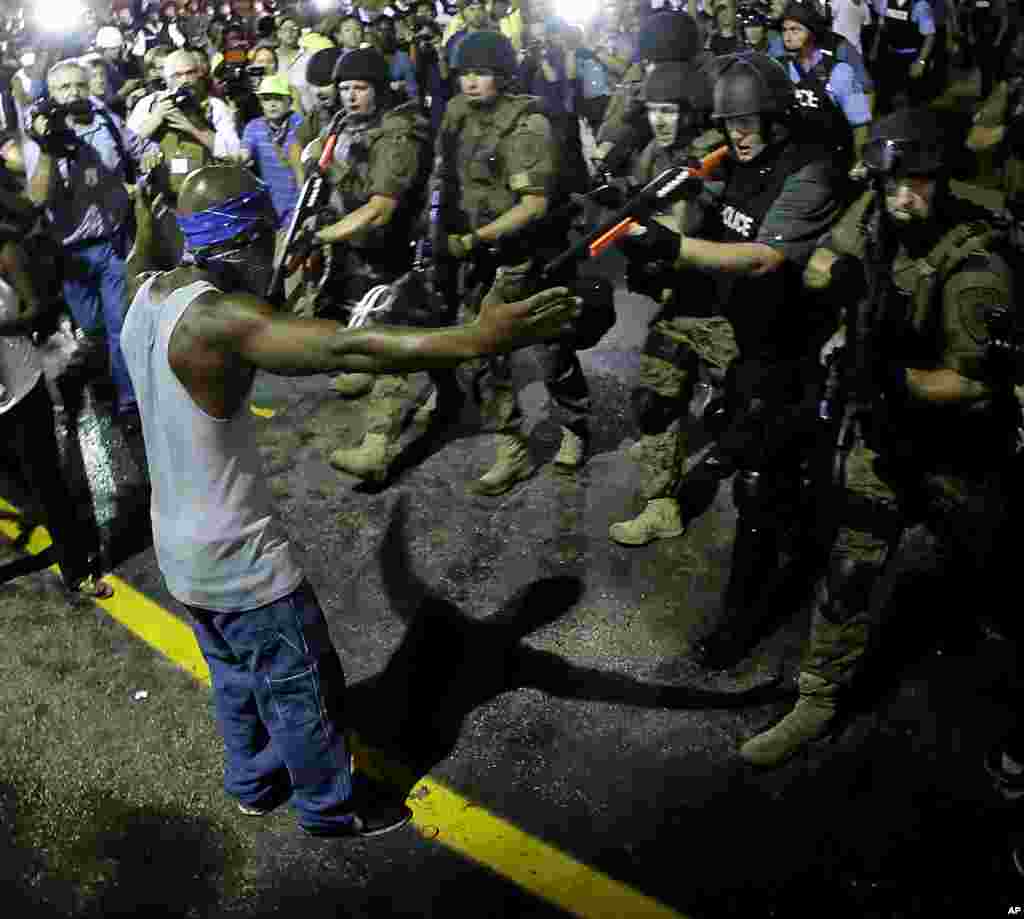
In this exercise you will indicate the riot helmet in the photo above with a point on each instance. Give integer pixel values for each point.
(681, 85)
(908, 142)
(486, 51)
(752, 83)
(668, 36)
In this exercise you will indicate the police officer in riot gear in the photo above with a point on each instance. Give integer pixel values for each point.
(828, 91)
(902, 52)
(687, 343)
(625, 131)
(779, 196)
(501, 158)
(939, 426)
(377, 176)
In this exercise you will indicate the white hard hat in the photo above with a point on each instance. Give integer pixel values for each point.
(109, 37)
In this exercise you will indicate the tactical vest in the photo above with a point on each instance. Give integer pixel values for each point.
(915, 335)
(767, 312)
(350, 170)
(818, 109)
(900, 31)
(471, 147)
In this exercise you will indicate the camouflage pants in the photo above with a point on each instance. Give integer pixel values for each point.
(678, 349)
(556, 364)
(883, 543)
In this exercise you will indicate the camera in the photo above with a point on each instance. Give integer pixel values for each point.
(59, 140)
(184, 97)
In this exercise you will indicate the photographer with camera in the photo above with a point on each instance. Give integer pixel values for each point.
(79, 158)
(191, 127)
(926, 467)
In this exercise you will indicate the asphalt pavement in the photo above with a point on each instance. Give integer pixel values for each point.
(526, 680)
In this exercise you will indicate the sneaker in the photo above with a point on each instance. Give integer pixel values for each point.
(376, 812)
(1008, 784)
(250, 811)
(374, 819)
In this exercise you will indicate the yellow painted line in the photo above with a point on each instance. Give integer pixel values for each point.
(260, 412)
(439, 812)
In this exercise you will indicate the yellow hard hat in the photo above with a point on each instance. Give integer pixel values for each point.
(274, 85)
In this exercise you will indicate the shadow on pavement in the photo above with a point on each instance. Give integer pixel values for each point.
(448, 664)
(125, 861)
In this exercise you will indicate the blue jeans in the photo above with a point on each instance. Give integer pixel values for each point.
(278, 687)
(95, 289)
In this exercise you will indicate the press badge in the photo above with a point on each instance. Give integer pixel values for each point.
(179, 166)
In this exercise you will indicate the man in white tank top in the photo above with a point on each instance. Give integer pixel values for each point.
(193, 339)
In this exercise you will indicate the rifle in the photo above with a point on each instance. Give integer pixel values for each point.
(674, 184)
(305, 207)
(852, 392)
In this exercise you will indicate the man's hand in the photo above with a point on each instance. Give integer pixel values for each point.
(151, 159)
(176, 119)
(163, 108)
(544, 316)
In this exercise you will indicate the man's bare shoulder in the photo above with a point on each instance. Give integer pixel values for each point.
(215, 319)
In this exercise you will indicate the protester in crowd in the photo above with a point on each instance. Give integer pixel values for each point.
(27, 430)
(265, 144)
(195, 337)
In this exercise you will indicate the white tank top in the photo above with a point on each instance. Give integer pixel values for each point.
(218, 541)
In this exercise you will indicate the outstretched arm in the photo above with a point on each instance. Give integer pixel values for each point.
(247, 327)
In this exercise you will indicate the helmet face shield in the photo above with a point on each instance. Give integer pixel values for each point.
(901, 156)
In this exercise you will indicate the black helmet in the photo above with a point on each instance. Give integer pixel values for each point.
(808, 16)
(488, 51)
(363, 64)
(752, 83)
(320, 66)
(908, 142)
(675, 81)
(668, 37)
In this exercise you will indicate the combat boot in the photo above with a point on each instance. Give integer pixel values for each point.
(352, 385)
(369, 461)
(660, 519)
(811, 719)
(572, 453)
(512, 465)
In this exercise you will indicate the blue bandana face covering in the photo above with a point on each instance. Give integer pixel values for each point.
(243, 220)
(226, 221)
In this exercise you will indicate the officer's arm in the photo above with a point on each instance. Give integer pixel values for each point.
(748, 259)
(945, 387)
(529, 209)
(377, 212)
(247, 327)
(968, 298)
